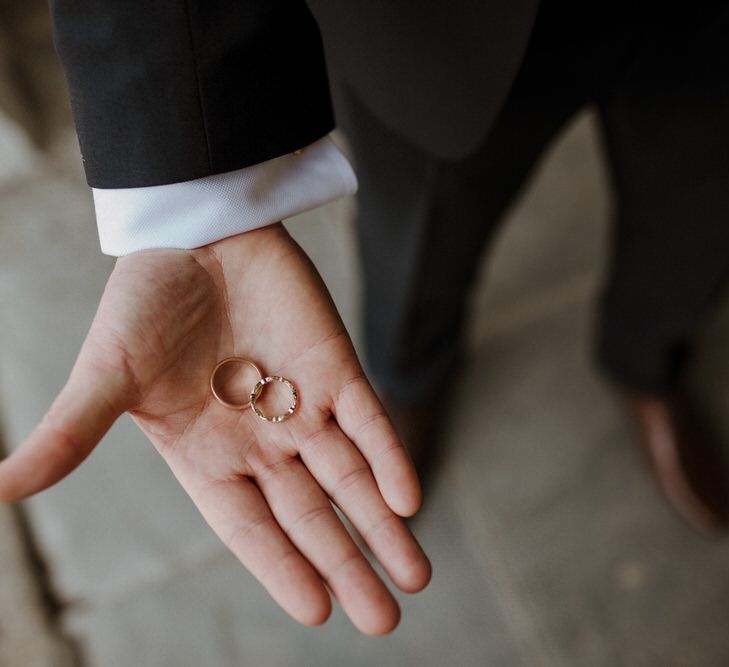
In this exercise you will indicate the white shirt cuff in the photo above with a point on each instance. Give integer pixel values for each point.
(195, 213)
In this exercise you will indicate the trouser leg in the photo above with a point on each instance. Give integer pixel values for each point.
(666, 126)
(409, 339)
(423, 223)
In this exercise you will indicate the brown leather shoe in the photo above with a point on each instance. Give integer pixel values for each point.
(685, 458)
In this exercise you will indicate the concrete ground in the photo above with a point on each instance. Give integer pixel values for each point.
(550, 545)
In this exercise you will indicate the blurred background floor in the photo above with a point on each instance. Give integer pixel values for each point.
(549, 543)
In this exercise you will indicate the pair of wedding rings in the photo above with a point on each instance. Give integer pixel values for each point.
(255, 392)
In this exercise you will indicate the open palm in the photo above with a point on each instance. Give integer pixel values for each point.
(166, 318)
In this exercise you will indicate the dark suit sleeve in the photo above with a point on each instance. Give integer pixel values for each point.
(165, 91)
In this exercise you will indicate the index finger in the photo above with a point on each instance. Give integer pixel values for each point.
(363, 419)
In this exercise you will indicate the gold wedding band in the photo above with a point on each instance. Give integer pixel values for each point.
(225, 362)
(255, 394)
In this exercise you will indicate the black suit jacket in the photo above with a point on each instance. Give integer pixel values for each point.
(171, 90)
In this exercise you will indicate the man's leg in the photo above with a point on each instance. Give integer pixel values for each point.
(666, 126)
(667, 133)
(423, 223)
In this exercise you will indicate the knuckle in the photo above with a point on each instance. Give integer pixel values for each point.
(352, 383)
(314, 439)
(373, 420)
(240, 533)
(336, 570)
(266, 470)
(307, 517)
(348, 480)
(62, 436)
(388, 450)
(378, 526)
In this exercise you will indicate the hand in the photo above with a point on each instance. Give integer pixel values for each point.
(165, 319)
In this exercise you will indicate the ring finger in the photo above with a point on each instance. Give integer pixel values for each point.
(304, 512)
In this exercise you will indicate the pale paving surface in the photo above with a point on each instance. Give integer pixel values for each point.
(549, 545)
(27, 637)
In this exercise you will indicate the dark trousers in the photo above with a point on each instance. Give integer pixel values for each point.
(660, 83)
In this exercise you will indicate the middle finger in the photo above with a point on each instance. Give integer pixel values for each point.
(345, 475)
(304, 512)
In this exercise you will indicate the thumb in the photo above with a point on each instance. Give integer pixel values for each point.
(91, 401)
